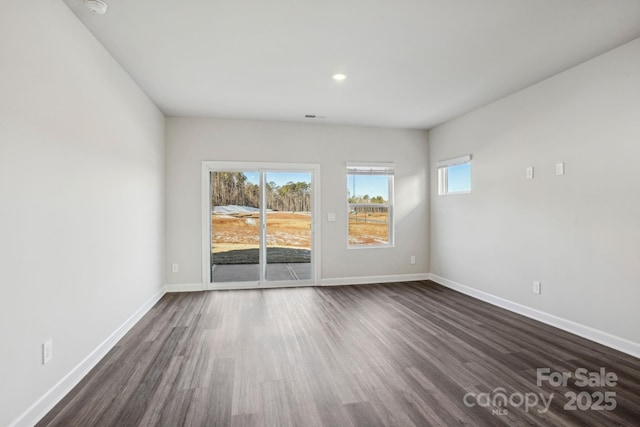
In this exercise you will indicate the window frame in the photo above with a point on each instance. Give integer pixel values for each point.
(443, 174)
(374, 168)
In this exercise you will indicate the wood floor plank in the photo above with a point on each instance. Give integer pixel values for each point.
(398, 354)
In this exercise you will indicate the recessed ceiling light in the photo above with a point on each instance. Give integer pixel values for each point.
(339, 77)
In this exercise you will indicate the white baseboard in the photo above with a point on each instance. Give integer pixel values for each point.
(194, 287)
(374, 279)
(231, 286)
(601, 337)
(184, 287)
(43, 405)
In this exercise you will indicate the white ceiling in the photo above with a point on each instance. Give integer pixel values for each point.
(410, 63)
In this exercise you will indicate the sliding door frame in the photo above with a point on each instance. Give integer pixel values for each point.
(262, 167)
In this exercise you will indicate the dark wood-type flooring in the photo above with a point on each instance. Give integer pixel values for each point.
(400, 354)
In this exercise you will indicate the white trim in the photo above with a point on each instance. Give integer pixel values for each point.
(371, 165)
(194, 287)
(370, 170)
(52, 397)
(601, 337)
(371, 246)
(206, 224)
(228, 286)
(454, 162)
(374, 279)
(316, 224)
(184, 287)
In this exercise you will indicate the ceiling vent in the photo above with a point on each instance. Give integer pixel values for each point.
(96, 6)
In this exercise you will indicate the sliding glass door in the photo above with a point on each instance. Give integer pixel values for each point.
(235, 226)
(260, 224)
(288, 225)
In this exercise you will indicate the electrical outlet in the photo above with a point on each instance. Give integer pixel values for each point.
(174, 268)
(560, 168)
(537, 288)
(47, 351)
(413, 259)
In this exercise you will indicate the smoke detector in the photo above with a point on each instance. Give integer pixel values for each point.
(96, 6)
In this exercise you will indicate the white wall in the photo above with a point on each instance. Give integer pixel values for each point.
(578, 234)
(81, 197)
(190, 141)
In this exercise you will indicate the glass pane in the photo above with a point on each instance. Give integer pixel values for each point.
(459, 178)
(288, 225)
(368, 209)
(235, 226)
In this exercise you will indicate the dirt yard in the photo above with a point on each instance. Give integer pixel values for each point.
(242, 231)
(369, 228)
(289, 230)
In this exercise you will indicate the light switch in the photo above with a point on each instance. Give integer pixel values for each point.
(529, 172)
(560, 168)
(536, 287)
(331, 217)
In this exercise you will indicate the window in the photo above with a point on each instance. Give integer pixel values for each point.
(454, 176)
(370, 204)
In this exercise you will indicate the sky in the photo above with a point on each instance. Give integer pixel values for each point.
(373, 185)
(459, 178)
(280, 178)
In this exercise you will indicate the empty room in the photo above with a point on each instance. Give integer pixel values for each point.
(338, 213)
